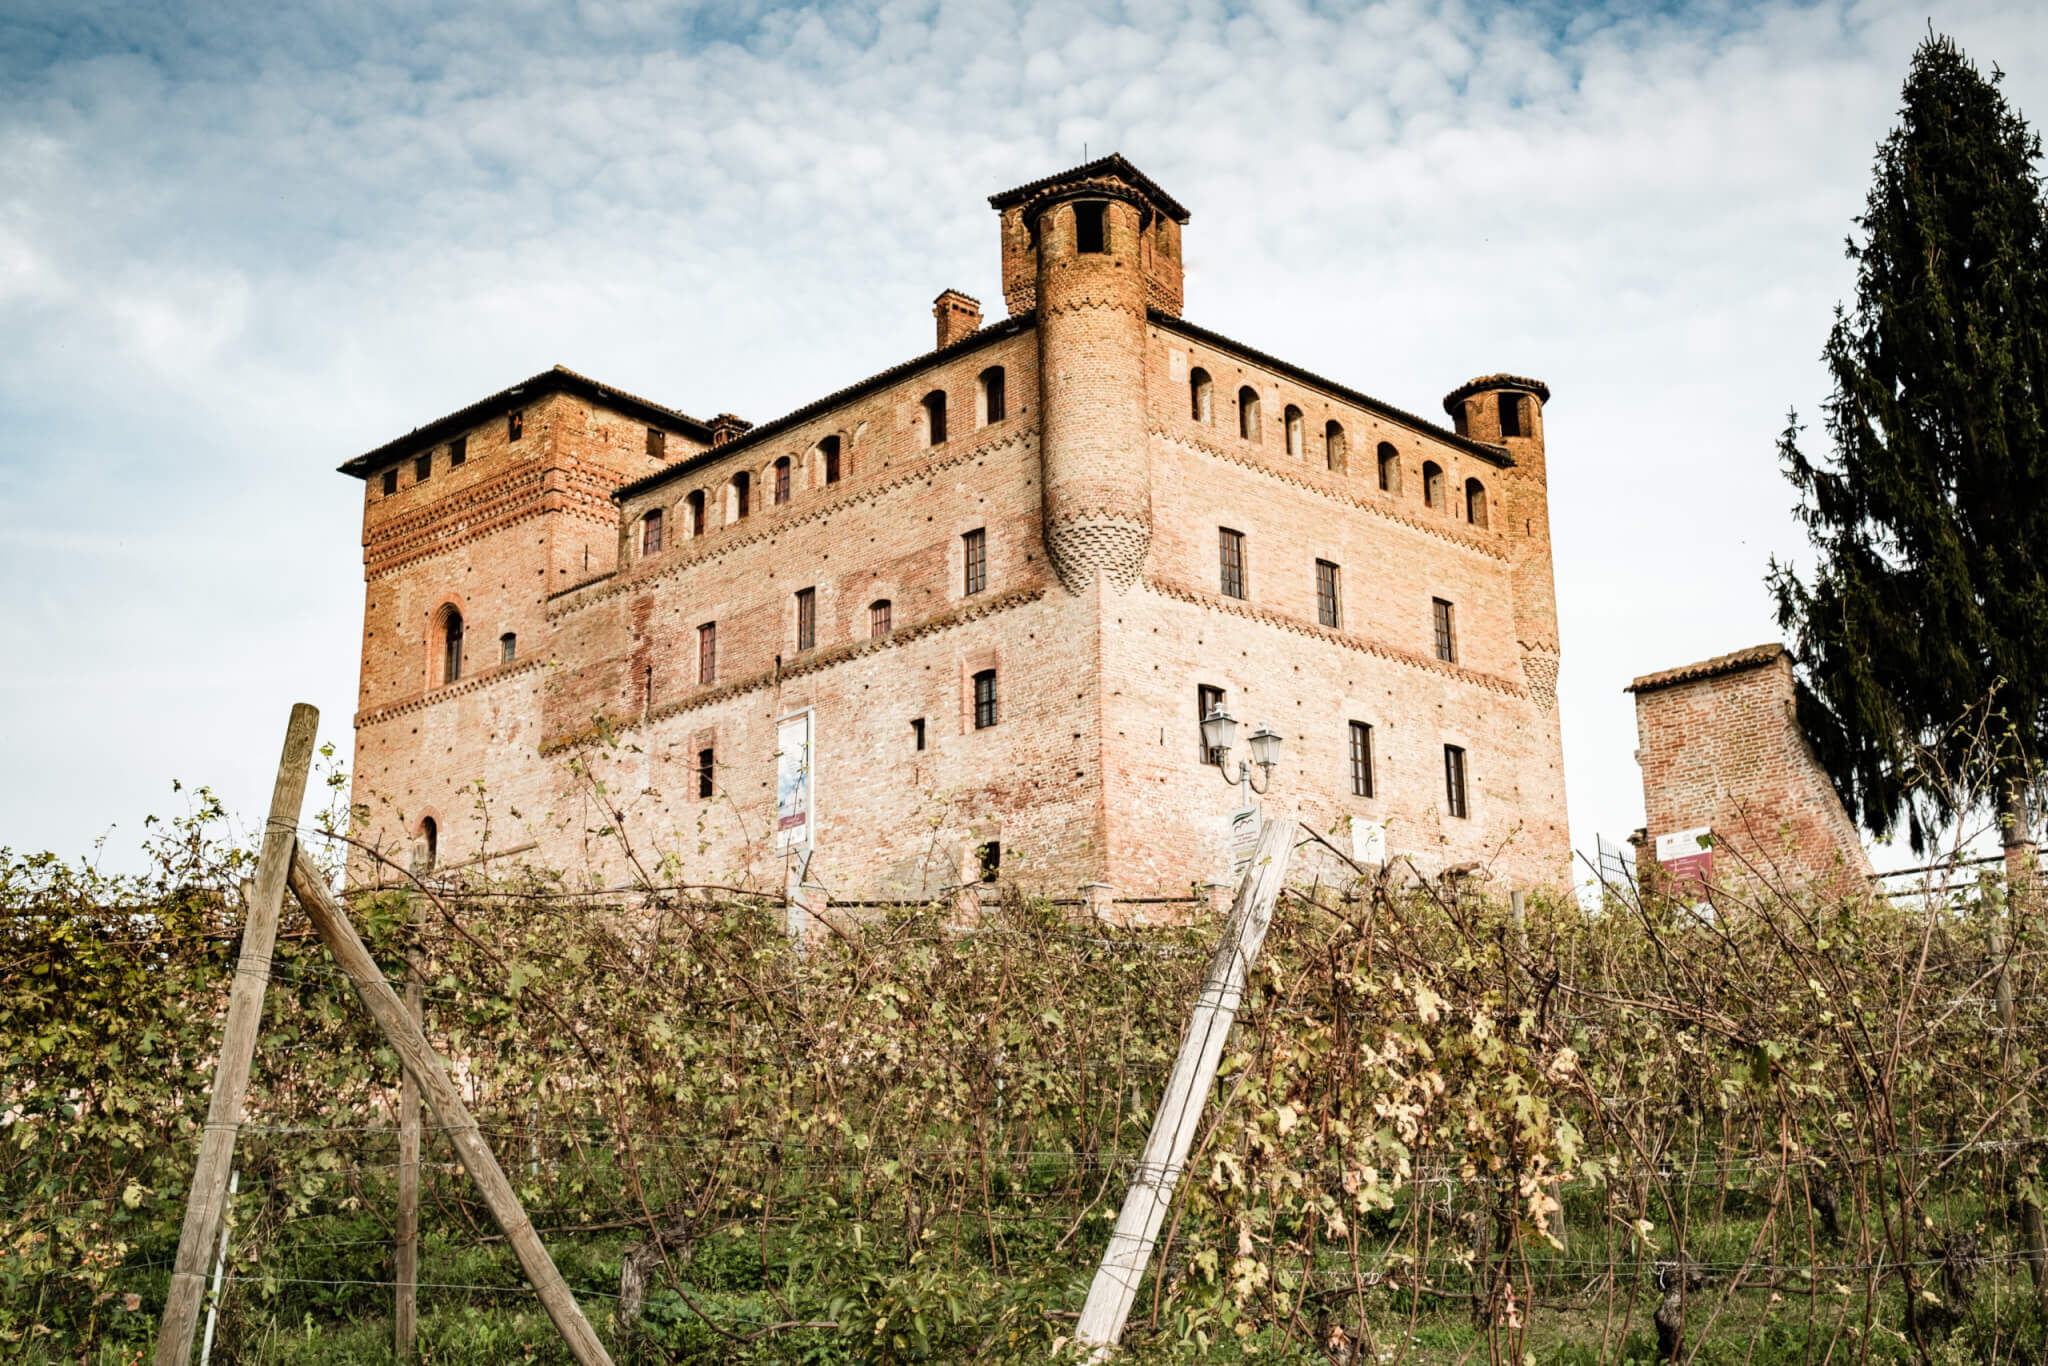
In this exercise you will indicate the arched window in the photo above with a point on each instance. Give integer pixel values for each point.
(828, 454)
(1248, 413)
(1475, 502)
(1297, 433)
(781, 479)
(650, 532)
(1511, 415)
(989, 392)
(738, 496)
(451, 645)
(879, 613)
(694, 518)
(935, 418)
(1432, 484)
(430, 844)
(1198, 396)
(1334, 450)
(1390, 468)
(508, 647)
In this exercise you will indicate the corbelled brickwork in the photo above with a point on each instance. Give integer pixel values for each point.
(1721, 749)
(1040, 504)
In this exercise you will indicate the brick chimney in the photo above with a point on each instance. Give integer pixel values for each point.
(725, 427)
(958, 315)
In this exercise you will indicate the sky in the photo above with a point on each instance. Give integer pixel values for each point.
(242, 242)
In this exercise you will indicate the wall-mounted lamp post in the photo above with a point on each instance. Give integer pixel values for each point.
(1219, 733)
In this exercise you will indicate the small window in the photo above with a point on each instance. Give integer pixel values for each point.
(1208, 701)
(990, 858)
(707, 766)
(458, 452)
(650, 533)
(1475, 502)
(994, 403)
(1335, 452)
(1361, 759)
(935, 418)
(742, 496)
(917, 733)
(1390, 468)
(1230, 545)
(781, 480)
(451, 645)
(1446, 639)
(508, 648)
(695, 515)
(829, 449)
(1329, 611)
(878, 618)
(1511, 415)
(430, 838)
(657, 442)
(985, 699)
(1248, 413)
(1432, 484)
(1454, 781)
(806, 618)
(423, 468)
(515, 425)
(1199, 391)
(974, 558)
(391, 481)
(707, 652)
(1091, 228)
(1460, 419)
(1297, 433)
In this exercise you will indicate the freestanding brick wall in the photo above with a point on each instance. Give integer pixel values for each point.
(1721, 749)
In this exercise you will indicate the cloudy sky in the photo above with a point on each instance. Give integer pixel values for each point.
(243, 242)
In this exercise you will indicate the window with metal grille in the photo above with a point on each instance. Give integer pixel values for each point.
(1446, 638)
(1510, 414)
(1329, 611)
(508, 648)
(451, 646)
(515, 425)
(391, 481)
(650, 533)
(829, 448)
(458, 451)
(974, 557)
(782, 480)
(1454, 781)
(985, 699)
(657, 442)
(1361, 759)
(1207, 701)
(706, 765)
(707, 652)
(423, 468)
(878, 618)
(1230, 548)
(917, 733)
(806, 618)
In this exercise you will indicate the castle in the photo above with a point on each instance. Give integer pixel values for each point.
(961, 621)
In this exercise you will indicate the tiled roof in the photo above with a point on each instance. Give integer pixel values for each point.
(1485, 382)
(1756, 656)
(1111, 165)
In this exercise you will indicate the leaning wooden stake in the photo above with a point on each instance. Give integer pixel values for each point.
(1180, 1110)
(238, 1044)
(406, 1253)
(410, 1043)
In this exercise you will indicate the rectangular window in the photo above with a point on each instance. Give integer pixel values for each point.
(1510, 414)
(707, 652)
(1207, 700)
(1328, 609)
(806, 618)
(917, 733)
(650, 533)
(706, 763)
(985, 699)
(458, 451)
(657, 442)
(782, 481)
(974, 546)
(990, 857)
(508, 648)
(996, 405)
(423, 468)
(1446, 640)
(1454, 780)
(878, 618)
(515, 425)
(1361, 759)
(391, 481)
(1090, 229)
(1232, 553)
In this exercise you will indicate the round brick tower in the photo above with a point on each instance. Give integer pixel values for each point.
(1091, 237)
(1507, 411)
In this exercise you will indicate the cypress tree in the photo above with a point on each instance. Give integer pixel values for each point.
(1931, 517)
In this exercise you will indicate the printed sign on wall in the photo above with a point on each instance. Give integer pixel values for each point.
(794, 787)
(1688, 855)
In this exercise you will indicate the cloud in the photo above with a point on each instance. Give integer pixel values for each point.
(239, 244)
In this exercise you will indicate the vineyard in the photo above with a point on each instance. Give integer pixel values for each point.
(1778, 1129)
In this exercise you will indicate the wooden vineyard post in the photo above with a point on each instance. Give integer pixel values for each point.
(1187, 1090)
(410, 1043)
(406, 1252)
(238, 1043)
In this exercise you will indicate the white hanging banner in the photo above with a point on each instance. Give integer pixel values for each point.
(795, 794)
